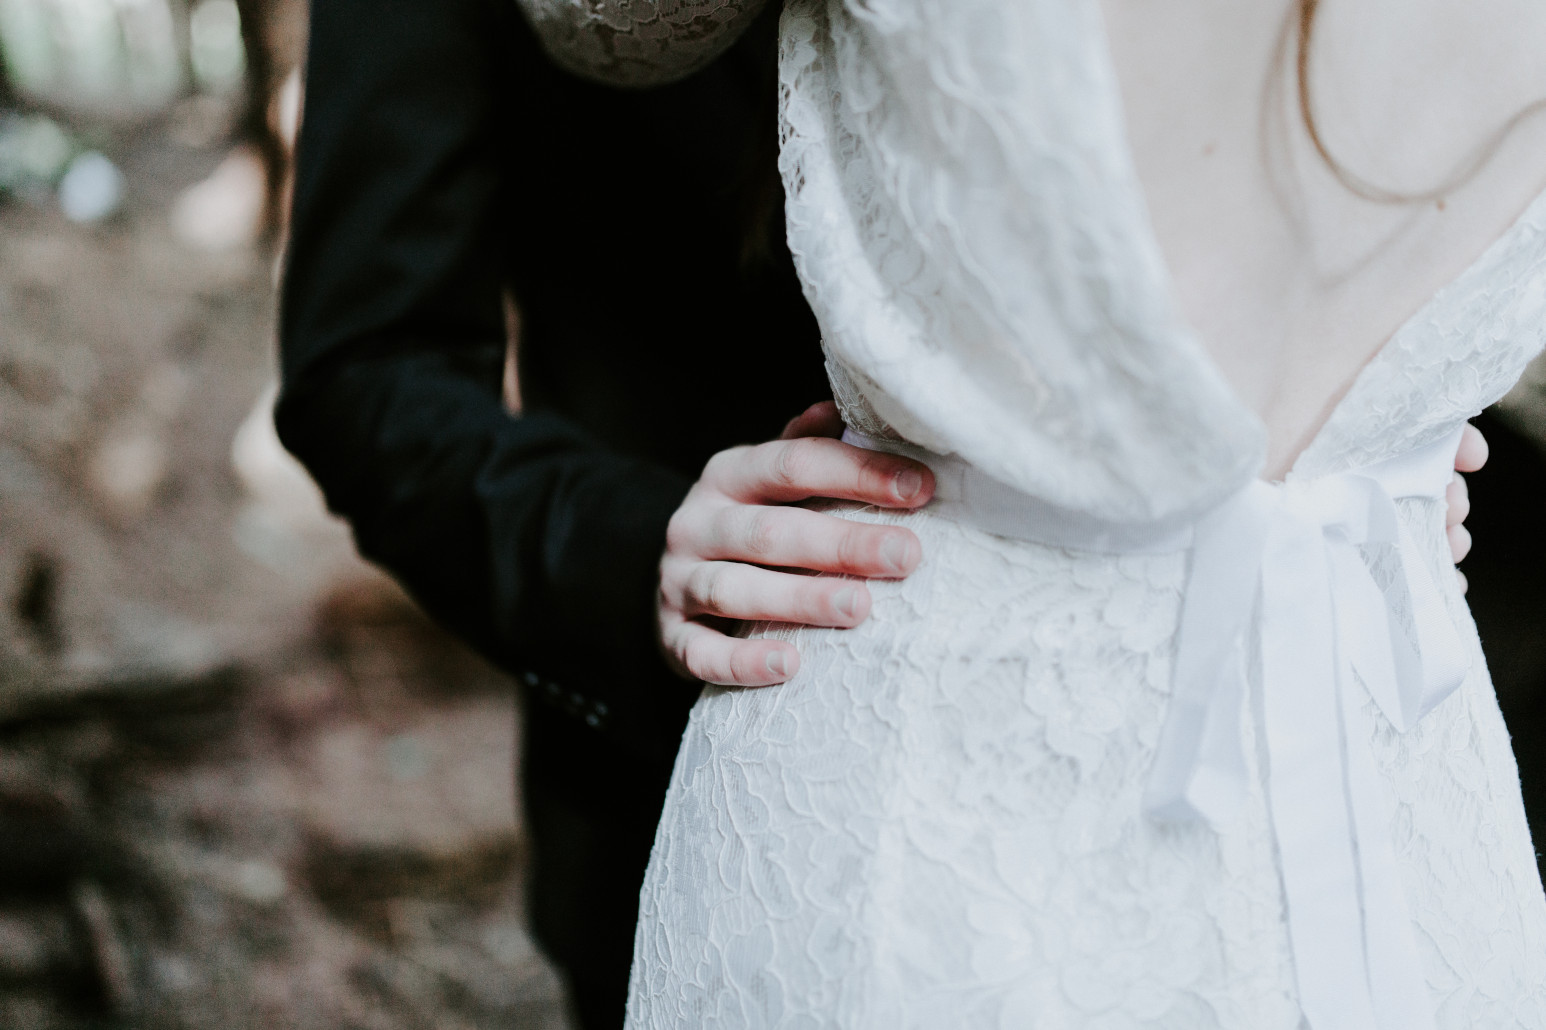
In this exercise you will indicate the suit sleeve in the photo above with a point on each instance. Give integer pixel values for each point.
(518, 533)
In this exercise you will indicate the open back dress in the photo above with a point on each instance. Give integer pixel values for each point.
(1146, 741)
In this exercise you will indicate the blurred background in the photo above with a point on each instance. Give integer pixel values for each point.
(243, 783)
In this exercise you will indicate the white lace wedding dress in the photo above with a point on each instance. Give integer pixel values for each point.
(1144, 742)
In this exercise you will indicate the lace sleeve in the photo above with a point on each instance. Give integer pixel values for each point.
(638, 42)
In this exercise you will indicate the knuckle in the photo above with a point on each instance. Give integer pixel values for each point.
(737, 665)
(790, 465)
(854, 546)
(817, 600)
(744, 666)
(671, 588)
(696, 659)
(684, 528)
(721, 463)
(684, 652)
(695, 665)
(706, 589)
(678, 535)
(724, 526)
(875, 471)
(760, 534)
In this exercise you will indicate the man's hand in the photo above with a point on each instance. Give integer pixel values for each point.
(736, 550)
(1471, 456)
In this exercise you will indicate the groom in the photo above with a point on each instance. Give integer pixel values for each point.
(444, 164)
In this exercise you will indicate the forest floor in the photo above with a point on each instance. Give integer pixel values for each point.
(243, 783)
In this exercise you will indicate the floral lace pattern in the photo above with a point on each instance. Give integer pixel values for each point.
(638, 42)
(1460, 353)
(971, 235)
(938, 821)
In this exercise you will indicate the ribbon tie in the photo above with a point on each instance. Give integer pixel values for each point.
(1284, 572)
(1294, 560)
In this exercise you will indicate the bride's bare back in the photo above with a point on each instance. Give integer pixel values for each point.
(1291, 279)
(906, 831)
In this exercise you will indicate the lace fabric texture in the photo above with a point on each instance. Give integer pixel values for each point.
(969, 229)
(638, 42)
(937, 822)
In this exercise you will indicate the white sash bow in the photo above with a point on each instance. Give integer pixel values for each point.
(1288, 561)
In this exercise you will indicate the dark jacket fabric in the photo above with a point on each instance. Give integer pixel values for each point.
(443, 159)
(443, 164)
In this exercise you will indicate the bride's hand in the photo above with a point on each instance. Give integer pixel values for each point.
(1472, 456)
(736, 550)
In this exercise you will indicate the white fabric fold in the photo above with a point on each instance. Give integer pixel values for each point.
(1282, 572)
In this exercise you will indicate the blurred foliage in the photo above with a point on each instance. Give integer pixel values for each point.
(119, 59)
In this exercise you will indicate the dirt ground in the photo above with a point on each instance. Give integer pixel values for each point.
(242, 782)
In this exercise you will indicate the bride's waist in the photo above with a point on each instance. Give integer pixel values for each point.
(1407, 486)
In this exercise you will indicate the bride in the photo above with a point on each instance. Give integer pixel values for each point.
(1182, 723)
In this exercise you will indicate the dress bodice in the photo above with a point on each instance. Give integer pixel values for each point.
(969, 227)
(970, 231)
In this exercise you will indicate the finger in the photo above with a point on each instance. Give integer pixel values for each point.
(793, 538)
(1459, 542)
(821, 419)
(712, 657)
(795, 470)
(734, 591)
(1458, 499)
(1473, 450)
(1465, 584)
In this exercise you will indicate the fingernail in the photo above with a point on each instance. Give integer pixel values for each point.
(843, 601)
(908, 483)
(776, 664)
(894, 551)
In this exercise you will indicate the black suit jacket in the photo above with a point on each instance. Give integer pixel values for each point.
(443, 159)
